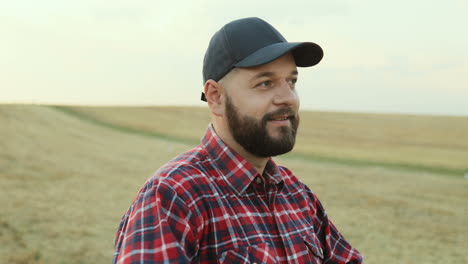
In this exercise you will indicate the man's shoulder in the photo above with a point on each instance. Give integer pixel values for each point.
(184, 164)
(181, 178)
(185, 172)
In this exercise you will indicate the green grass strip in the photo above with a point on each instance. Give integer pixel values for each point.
(291, 156)
(368, 163)
(120, 128)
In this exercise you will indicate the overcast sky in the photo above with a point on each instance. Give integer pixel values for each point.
(380, 56)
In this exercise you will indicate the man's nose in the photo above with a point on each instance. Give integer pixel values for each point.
(285, 94)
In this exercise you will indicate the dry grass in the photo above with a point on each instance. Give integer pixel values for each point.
(67, 178)
(65, 183)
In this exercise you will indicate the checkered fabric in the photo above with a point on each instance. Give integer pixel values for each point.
(209, 205)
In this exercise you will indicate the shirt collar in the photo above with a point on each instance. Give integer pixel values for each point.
(235, 169)
(272, 171)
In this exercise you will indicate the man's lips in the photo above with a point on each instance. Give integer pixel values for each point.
(286, 122)
(283, 120)
(282, 117)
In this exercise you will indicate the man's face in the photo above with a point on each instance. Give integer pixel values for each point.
(261, 107)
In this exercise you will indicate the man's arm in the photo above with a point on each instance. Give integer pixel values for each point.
(157, 229)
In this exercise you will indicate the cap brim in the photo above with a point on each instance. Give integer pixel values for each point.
(306, 54)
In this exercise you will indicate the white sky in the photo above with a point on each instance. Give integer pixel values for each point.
(380, 56)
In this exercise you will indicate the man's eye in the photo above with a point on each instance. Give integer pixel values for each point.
(293, 81)
(265, 84)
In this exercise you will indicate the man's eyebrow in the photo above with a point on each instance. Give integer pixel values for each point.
(262, 74)
(269, 74)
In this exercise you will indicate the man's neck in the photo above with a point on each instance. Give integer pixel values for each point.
(259, 163)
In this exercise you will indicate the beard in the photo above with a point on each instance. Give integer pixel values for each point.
(253, 136)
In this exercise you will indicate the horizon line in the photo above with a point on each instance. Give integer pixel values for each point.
(103, 105)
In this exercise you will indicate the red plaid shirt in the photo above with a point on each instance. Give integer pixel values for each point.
(209, 205)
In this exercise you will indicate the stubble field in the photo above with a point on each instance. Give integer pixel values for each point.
(393, 184)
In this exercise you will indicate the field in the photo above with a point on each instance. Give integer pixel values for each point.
(393, 184)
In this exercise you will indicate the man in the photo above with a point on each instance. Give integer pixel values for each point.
(226, 201)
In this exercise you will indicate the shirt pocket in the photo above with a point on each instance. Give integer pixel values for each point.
(314, 246)
(257, 254)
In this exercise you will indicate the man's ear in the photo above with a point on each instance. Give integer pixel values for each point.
(213, 94)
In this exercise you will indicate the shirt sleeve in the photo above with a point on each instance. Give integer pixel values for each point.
(158, 228)
(335, 247)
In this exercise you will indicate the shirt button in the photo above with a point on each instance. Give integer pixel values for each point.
(258, 180)
(321, 251)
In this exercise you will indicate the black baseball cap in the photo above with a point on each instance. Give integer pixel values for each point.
(250, 42)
